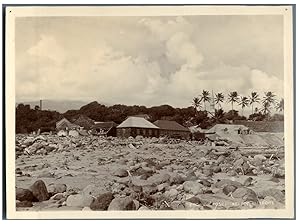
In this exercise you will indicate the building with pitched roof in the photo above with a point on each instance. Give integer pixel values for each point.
(134, 126)
(105, 128)
(84, 121)
(172, 129)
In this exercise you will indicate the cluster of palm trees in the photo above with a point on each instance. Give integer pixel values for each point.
(266, 103)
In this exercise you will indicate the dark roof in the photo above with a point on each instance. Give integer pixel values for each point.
(170, 125)
(84, 121)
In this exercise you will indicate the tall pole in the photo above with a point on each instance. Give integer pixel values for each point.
(41, 104)
(213, 102)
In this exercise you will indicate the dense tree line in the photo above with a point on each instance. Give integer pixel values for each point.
(28, 120)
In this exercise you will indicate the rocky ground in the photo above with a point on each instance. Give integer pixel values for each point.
(95, 173)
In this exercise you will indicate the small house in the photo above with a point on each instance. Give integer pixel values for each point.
(172, 129)
(84, 121)
(134, 126)
(105, 128)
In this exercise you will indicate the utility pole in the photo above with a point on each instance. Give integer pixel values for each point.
(41, 104)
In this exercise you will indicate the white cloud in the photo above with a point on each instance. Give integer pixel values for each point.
(56, 67)
(49, 48)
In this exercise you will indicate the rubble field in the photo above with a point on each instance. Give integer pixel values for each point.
(93, 173)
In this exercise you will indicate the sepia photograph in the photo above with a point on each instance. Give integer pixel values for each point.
(183, 112)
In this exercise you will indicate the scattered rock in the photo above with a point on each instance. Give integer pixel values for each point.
(122, 204)
(246, 194)
(229, 189)
(39, 190)
(172, 193)
(57, 188)
(24, 195)
(79, 200)
(192, 187)
(93, 190)
(102, 202)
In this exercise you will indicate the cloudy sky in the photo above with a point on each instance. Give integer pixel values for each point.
(147, 60)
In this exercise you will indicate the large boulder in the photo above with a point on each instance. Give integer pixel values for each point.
(246, 194)
(172, 193)
(121, 204)
(93, 190)
(79, 200)
(39, 190)
(192, 187)
(102, 202)
(24, 195)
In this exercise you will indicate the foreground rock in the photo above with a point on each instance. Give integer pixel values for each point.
(24, 195)
(122, 204)
(39, 190)
(102, 202)
(79, 200)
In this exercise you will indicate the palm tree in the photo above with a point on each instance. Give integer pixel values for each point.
(196, 103)
(205, 97)
(254, 98)
(244, 101)
(232, 98)
(219, 99)
(265, 107)
(267, 101)
(280, 105)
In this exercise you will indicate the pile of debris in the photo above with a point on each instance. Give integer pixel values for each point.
(144, 174)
